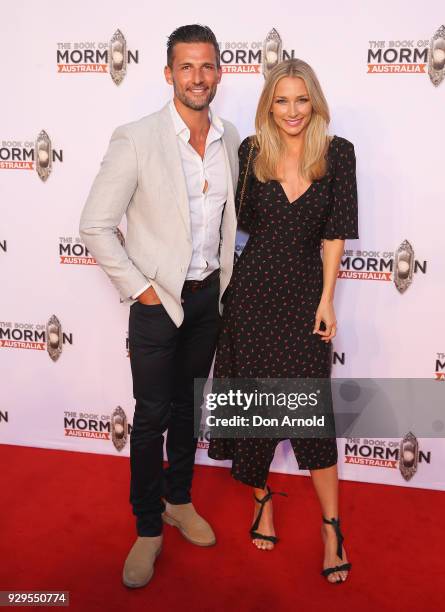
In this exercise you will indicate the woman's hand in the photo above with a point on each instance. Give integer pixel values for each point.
(325, 312)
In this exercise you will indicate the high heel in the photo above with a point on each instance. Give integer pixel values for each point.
(255, 535)
(337, 568)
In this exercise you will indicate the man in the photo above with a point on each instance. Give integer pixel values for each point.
(173, 174)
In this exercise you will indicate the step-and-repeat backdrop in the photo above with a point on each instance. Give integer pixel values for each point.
(71, 73)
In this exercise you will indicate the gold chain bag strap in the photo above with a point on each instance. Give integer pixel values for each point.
(243, 188)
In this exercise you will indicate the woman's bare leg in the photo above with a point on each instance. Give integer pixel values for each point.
(265, 526)
(325, 482)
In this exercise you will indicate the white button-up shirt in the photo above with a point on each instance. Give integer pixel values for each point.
(206, 181)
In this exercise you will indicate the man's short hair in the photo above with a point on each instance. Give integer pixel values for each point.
(194, 33)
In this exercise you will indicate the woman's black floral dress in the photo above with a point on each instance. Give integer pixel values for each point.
(270, 304)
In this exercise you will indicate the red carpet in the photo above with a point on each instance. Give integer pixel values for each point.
(66, 525)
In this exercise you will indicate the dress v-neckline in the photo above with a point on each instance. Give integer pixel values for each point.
(299, 197)
(307, 190)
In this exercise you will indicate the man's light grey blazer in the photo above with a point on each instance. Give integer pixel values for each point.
(141, 176)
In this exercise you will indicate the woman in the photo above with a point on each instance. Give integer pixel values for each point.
(297, 191)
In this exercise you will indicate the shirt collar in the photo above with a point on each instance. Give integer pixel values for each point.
(183, 131)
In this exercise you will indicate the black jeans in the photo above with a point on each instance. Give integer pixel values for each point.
(165, 360)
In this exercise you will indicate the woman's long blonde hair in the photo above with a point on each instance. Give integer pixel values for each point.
(269, 143)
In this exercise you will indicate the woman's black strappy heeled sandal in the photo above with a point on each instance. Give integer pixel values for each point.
(253, 530)
(337, 568)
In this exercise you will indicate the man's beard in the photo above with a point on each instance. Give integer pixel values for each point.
(192, 103)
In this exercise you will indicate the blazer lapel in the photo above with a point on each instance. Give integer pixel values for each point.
(173, 164)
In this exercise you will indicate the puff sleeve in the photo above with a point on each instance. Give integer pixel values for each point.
(342, 222)
(245, 210)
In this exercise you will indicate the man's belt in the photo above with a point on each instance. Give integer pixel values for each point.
(196, 285)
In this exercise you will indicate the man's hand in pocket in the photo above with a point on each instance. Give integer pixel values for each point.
(149, 297)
